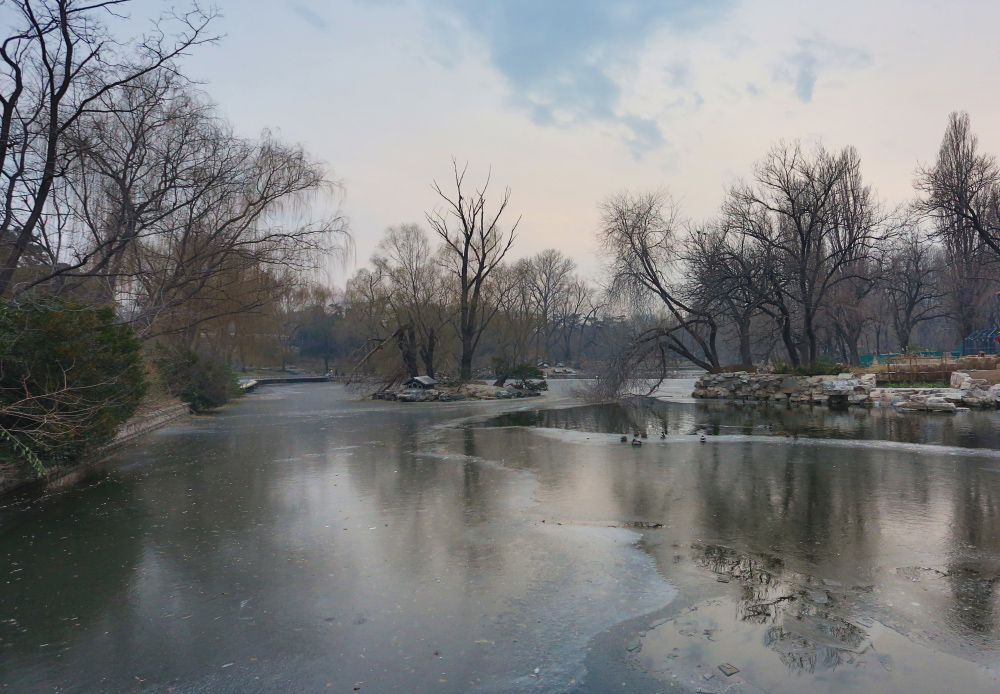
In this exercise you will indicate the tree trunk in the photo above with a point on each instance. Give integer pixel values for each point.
(468, 337)
(855, 354)
(903, 337)
(786, 336)
(465, 371)
(809, 357)
(405, 340)
(427, 353)
(465, 325)
(746, 358)
(568, 344)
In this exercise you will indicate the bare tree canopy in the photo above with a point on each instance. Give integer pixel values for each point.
(164, 211)
(57, 62)
(548, 277)
(475, 246)
(643, 240)
(414, 293)
(819, 219)
(961, 192)
(914, 284)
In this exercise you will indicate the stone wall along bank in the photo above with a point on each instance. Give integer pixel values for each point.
(846, 389)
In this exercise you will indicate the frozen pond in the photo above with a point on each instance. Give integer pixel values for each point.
(303, 541)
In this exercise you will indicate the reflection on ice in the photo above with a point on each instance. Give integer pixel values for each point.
(792, 633)
(975, 429)
(245, 538)
(582, 580)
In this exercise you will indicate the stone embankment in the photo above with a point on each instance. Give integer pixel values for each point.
(13, 479)
(467, 391)
(145, 423)
(846, 389)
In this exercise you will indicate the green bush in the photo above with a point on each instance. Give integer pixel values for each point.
(201, 380)
(524, 375)
(528, 376)
(69, 376)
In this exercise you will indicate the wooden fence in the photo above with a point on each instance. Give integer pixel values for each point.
(905, 369)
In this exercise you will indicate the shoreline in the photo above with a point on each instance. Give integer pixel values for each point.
(56, 476)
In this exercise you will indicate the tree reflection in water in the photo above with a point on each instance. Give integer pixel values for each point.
(805, 632)
(975, 429)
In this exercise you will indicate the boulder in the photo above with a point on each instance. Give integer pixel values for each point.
(937, 404)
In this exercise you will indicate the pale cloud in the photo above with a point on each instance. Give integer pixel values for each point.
(802, 67)
(568, 108)
(310, 16)
(560, 58)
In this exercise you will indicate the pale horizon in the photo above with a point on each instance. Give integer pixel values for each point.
(638, 95)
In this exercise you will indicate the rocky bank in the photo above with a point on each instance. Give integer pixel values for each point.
(845, 390)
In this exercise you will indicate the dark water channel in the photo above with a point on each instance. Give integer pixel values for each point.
(300, 541)
(972, 429)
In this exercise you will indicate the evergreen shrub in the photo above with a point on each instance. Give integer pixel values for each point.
(70, 375)
(201, 380)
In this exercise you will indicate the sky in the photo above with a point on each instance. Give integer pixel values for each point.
(567, 101)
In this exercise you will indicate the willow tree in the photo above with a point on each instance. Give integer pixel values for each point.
(644, 242)
(58, 61)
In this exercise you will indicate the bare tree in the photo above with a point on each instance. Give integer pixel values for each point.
(548, 276)
(56, 63)
(969, 279)
(576, 310)
(129, 166)
(913, 284)
(640, 235)
(962, 190)
(727, 269)
(475, 246)
(851, 308)
(512, 331)
(369, 312)
(415, 293)
(247, 215)
(818, 219)
(961, 195)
